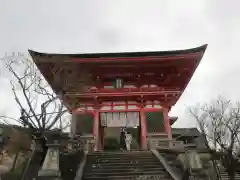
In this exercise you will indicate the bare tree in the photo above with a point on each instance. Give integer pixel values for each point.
(219, 121)
(41, 109)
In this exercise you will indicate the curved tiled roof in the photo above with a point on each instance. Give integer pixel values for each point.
(125, 54)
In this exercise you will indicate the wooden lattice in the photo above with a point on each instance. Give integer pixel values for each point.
(155, 122)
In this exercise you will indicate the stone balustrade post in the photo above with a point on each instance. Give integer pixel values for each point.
(72, 144)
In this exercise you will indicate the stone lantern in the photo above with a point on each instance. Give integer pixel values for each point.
(50, 168)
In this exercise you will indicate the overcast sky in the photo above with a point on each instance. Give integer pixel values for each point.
(131, 25)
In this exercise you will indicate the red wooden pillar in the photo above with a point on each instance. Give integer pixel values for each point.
(143, 129)
(167, 123)
(96, 126)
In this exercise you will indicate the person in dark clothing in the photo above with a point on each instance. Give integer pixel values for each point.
(2, 144)
(186, 174)
(122, 140)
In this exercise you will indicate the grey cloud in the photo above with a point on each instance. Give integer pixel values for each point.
(137, 25)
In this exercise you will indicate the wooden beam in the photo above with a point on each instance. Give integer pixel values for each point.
(137, 59)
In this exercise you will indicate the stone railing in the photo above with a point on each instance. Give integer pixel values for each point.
(162, 142)
(190, 146)
(156, 143)
(87, 142)
(177, 144)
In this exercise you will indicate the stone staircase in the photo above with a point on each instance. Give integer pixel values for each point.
(224, 175)
(138, 165)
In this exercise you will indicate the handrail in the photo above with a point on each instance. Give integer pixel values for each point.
(79, 173)
(217, 169)
(174, 175)
(28, 164)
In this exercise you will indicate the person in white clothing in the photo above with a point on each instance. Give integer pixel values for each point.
(33, 144)
(128, 140)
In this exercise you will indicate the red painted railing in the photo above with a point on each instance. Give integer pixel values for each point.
(142, 89)
(128, 91)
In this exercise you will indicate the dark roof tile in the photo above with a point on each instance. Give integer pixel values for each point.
(186, 131)
(124, 54)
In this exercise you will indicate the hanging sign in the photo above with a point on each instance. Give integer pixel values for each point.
(118, 83)
(120, 119)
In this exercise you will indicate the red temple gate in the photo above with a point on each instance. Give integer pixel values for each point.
(123, 89)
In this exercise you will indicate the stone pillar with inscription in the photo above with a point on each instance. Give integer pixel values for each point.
(50, 169)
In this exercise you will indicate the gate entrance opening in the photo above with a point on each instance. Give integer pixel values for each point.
(111, 125)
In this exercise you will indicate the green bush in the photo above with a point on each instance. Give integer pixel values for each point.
(111, 143)
(16, 174)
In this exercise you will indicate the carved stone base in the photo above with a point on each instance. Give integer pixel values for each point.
(49, 174)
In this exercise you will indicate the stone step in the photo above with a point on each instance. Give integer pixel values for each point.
(125, 175)
(119, 157)
(126, 164)
(131, 153)
(123, 151)
(133, 172)
(98, 161)
(227, 178)
(135, 177)
(110, 168)
(123, 170)
(226, 175)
